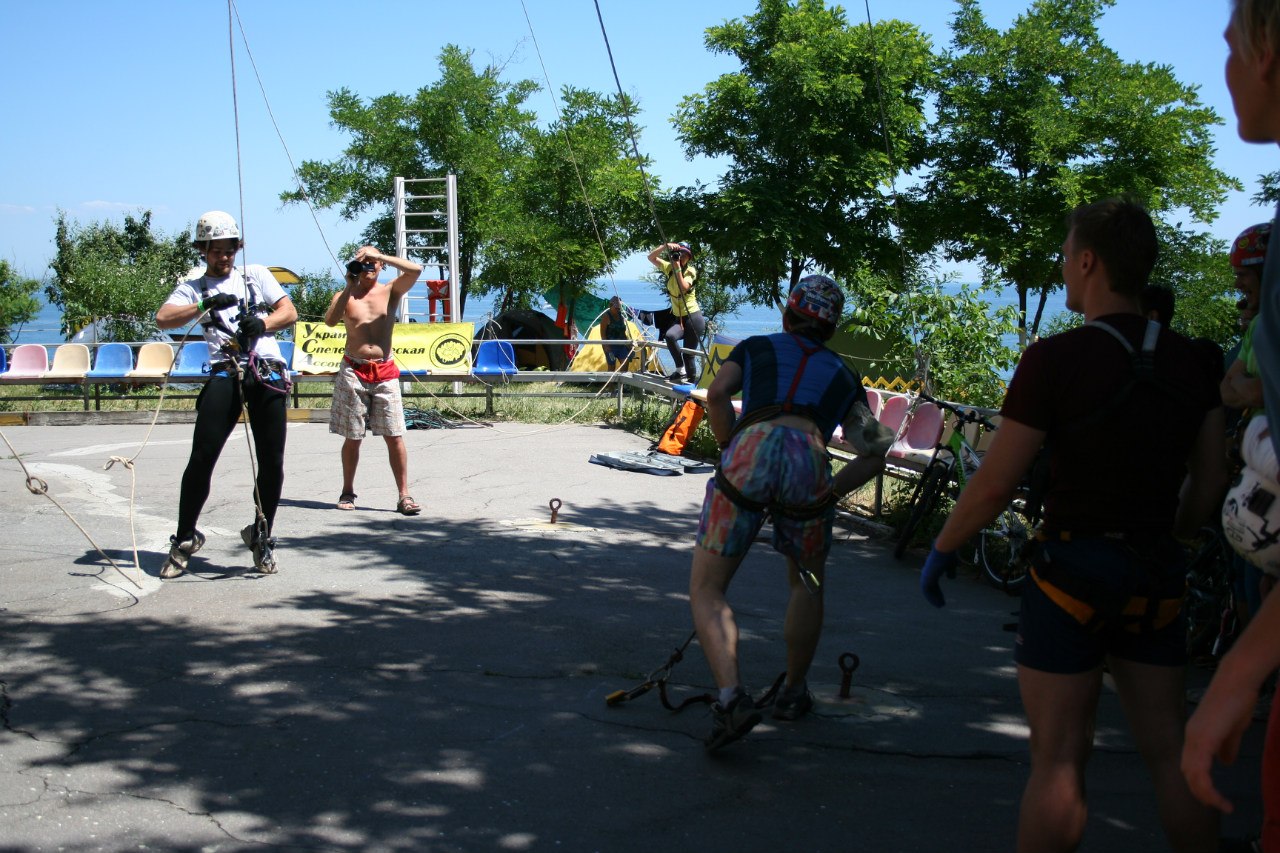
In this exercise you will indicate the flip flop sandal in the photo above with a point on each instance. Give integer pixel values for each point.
(347, 501)
(407, 506)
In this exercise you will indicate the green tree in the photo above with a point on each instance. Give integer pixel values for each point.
(803, 125)
(1038, 119)
(116, 274)
(18, 301)
(1268, 189)
(1194, 266)
(572, 206)
(312, 295)
(959, 337)
(469, 123)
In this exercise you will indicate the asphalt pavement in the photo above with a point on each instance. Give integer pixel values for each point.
(438, 682)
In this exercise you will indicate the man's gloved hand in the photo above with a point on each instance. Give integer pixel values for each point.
(935, 565)
(218, 301)
(251, 326)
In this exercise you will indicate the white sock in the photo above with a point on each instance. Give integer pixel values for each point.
(727, 694)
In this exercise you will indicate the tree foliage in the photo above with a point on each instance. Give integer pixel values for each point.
(312, 295)
(116, 274)
(573, 204)
(469, 123)
(1033, 121)
(18, 301)
(803, 124)
(960, 335)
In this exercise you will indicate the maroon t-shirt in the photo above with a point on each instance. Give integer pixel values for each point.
(1121, 474)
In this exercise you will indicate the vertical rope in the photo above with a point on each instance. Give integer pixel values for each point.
(235, 114)
(921, 358)
(635, 147)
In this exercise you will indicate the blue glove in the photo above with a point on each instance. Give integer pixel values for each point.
(935, 565)
(251, 326)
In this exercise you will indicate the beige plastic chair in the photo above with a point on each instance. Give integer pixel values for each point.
(70, 364)
(154, 361)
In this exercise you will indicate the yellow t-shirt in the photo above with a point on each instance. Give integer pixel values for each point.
(685, 304)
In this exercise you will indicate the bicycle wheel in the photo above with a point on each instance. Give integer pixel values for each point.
(931, 484)
(1209, 607)
(1003, 549)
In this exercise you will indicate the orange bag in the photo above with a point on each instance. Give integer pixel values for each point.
(676, 436)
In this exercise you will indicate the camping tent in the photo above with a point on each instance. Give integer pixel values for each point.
(522, 324)
(590, 359)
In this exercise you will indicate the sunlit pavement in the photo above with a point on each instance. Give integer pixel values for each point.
(438, 682)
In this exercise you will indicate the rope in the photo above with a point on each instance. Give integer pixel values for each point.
(279, 135)
(921, 358)
(564, 131)
(635, 147)
(235, 113)
(37, 486)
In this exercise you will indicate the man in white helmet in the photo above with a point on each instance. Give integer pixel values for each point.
(240, 310)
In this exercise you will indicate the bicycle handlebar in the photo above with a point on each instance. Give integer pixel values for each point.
(967, 416)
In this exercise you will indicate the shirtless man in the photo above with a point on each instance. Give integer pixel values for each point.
(366, 391)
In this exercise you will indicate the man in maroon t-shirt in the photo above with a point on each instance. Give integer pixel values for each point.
(1108, 577)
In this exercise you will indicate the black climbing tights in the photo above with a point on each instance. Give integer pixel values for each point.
(216, 414)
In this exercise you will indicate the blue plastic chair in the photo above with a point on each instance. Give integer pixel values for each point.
(4, 361)
(193, 361)
(495, 358)
(112, 361)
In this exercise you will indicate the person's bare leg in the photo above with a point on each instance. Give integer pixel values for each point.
(1154, 700)
(712, 617)
(350, 459)
(398, 455)
(1061, 711)
(803, 626)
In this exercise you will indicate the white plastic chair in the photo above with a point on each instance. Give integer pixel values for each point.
(70, 363)
(154, 360)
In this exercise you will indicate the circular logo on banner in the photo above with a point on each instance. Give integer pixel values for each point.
(450, 350)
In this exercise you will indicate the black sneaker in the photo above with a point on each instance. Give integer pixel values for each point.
(180, 554)
(792, 706)
(732, 722)
(264, 554)
(677, 378)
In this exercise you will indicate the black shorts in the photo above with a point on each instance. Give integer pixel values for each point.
(1052, 640)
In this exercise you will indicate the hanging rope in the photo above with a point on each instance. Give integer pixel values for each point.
(635, 148)
(297, 178)
(564, 132)
(921, 358)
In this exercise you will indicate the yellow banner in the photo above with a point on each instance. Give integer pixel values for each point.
(418, 347)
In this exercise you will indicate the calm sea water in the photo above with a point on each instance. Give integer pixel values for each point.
(747, 321)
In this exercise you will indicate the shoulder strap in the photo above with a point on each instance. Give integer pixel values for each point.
(1142, 365)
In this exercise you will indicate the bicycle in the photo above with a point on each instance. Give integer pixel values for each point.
(1003, 546)
(1210, 607)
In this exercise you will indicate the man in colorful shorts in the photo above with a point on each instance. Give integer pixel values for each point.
(795, 392)
(366, 391)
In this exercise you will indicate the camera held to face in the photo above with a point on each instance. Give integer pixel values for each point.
(356, 268)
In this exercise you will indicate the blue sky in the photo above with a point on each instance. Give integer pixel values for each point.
(115, 107)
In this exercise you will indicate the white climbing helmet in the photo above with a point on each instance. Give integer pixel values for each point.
(1251, 511)
(216, 225)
